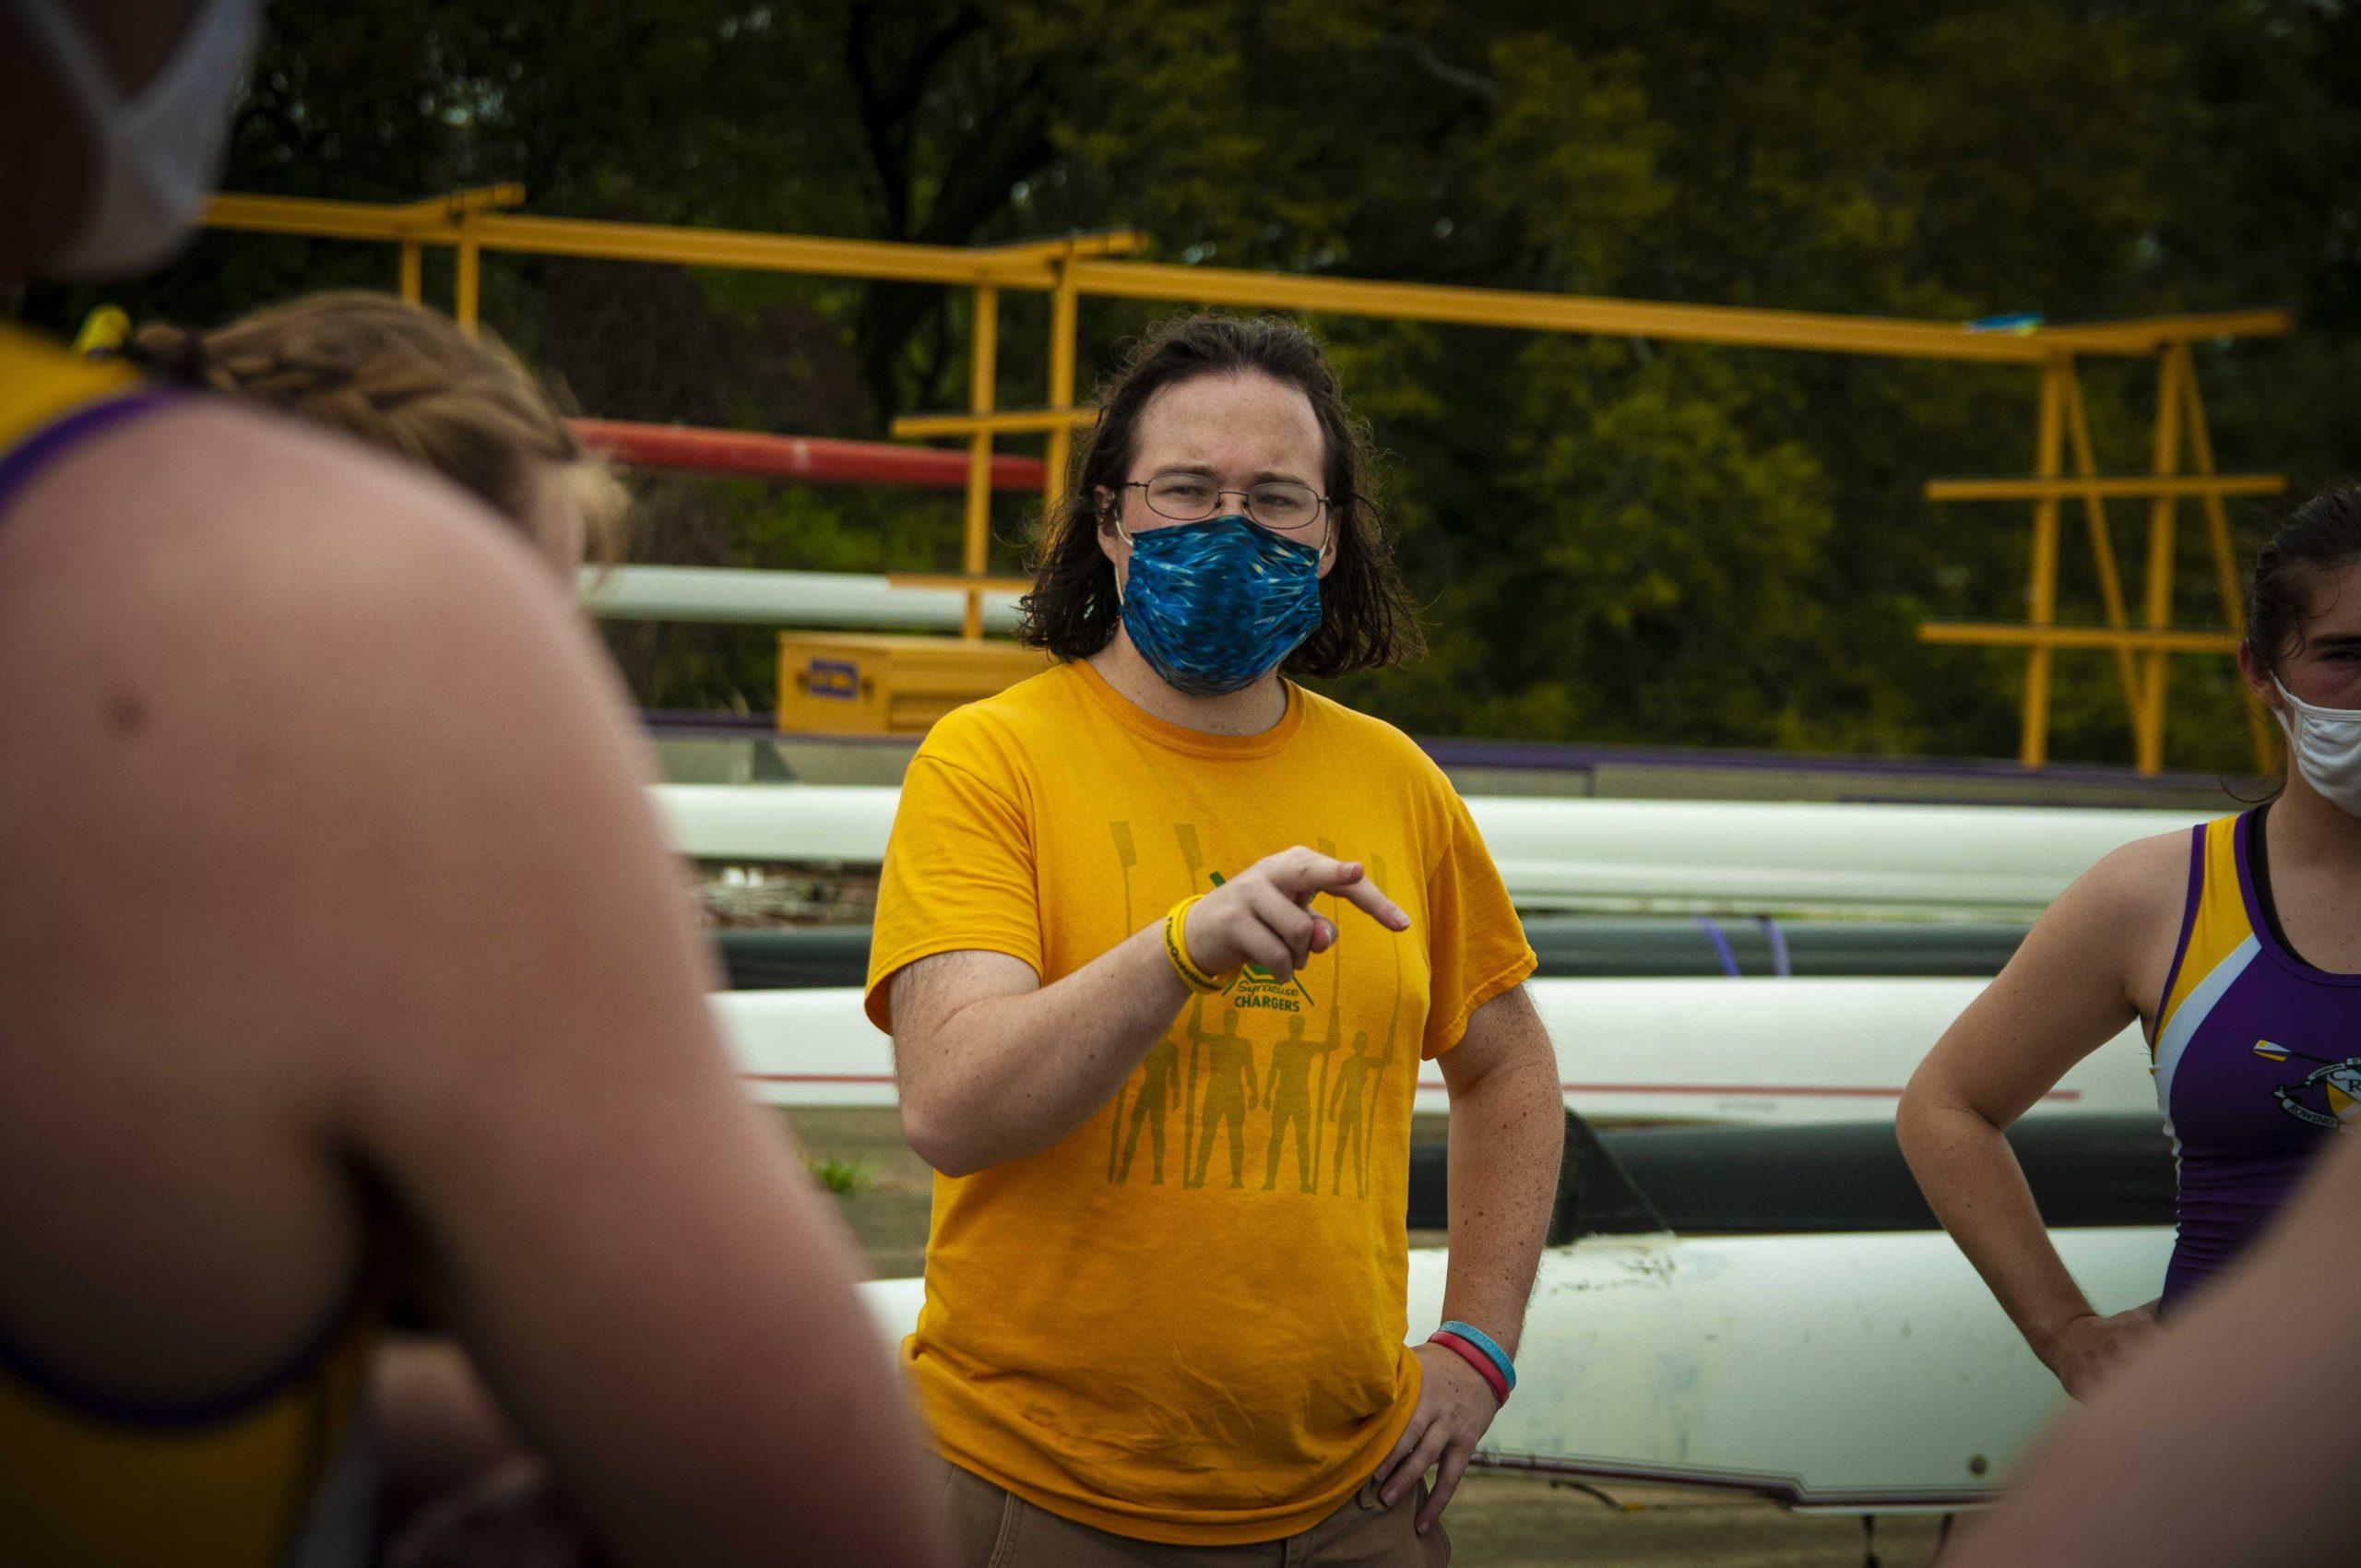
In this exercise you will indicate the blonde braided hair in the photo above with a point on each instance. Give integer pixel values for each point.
(404, 379)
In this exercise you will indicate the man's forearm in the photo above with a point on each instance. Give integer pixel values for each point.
(1507, 1138)
(1019, 1072)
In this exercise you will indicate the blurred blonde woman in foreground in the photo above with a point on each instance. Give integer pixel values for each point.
(406, 380)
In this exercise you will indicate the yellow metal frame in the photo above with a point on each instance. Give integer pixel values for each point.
(1103, 267)
(2143, 657)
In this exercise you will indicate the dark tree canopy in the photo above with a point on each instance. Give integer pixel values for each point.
(1615, 539)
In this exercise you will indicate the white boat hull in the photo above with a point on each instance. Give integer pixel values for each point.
(1735, 1051)
(1747, 857)
(1867, 1374)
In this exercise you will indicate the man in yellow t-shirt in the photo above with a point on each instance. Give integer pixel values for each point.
(1165, 1071)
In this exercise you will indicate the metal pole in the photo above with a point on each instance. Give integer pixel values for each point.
(467, 298)
(2078, 429)
(412, 265)
(2033, 743)
(983, 352)
(2225, 567)
(1062, 302)
(2162, 513)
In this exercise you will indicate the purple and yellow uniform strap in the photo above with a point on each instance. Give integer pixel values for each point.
(50, 398)
(2219, 942)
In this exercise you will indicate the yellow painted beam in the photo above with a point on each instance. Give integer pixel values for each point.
(2117, 487)
(2102, 535)
(478, 198)
(2260, 733)
(2164, 522)
(983, 382)
(1110, 242)
(319, 219)
(467, 295)
(1012, 422)
(1097, 268)
(884, 259)
(969, 582)
(1065, 302)
(2033, 740)
(1734, 325)
(1984, 634)
(2148, 334)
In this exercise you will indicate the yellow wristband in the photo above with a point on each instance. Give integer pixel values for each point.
(1176, 948)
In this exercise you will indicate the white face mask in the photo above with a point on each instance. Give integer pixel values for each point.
(155, 157)
(2327, 743)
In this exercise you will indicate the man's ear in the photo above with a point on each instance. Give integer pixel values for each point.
(1111, 543)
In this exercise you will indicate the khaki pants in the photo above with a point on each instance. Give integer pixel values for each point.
(992, 1528)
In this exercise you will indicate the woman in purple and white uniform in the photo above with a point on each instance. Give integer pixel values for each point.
(2236, 944)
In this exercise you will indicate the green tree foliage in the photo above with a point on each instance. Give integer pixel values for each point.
(1617, 540)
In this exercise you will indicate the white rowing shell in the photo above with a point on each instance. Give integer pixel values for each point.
(1746, 856)
(1736, 1050)
(1867, 1374)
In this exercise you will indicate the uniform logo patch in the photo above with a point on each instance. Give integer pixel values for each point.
(2329, 1096)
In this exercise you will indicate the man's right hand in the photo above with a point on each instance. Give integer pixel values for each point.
(1263, 916)
(2089, 1349)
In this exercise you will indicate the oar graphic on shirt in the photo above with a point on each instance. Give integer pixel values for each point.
(1126, 856)
(2338, 1079)
(1191, 856)
(1334, 1039)
(1352, 1107)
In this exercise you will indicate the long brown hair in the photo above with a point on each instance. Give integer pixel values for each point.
(1367, 619)
(403, 378)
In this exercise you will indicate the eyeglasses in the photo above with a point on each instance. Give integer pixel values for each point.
(1280, 504)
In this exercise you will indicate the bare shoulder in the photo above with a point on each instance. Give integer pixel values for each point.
(2136, 888)
(247, 541)
(288, 707)
(2114, 926)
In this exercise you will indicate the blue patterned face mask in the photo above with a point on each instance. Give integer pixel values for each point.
(1215, 606)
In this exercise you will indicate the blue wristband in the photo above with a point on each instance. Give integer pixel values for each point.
(1483, 1341)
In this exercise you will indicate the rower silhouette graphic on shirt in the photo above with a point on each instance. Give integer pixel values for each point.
(1159, 1086)
(1229, 1094)
(1289, 1097)
(1346, 1107)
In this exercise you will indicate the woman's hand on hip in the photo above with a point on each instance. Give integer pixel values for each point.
(1455, 1408)
(2088, 1348)
(1263, 916)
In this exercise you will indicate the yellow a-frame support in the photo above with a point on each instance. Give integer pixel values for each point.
(2142, 654)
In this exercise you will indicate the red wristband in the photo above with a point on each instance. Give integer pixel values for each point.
(1476, 1359)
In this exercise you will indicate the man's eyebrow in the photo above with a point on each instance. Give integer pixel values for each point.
(1206, 470)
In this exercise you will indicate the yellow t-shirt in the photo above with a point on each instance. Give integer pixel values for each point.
(1184, 1322)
